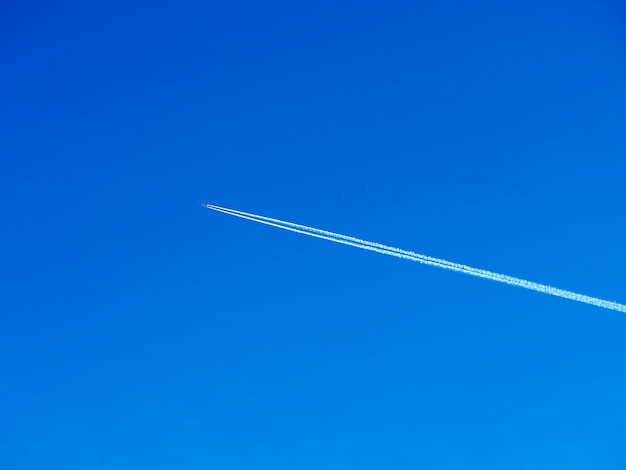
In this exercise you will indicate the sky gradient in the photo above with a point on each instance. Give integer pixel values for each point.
(139, 330)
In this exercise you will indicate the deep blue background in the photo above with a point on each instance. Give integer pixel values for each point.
(139, 330)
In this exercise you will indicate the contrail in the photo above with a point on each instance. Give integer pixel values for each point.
(428, 260)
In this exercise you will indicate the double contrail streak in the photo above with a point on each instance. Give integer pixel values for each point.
(404, 254)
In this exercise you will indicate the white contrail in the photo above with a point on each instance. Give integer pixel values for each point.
(317, 235)
(404, 254)
(347, 238)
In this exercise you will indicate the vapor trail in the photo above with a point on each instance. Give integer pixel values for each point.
(344, 237)
(428, 260)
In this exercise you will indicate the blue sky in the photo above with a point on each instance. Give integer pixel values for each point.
(140, 330)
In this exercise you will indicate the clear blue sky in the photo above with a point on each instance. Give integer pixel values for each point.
(139, 330)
